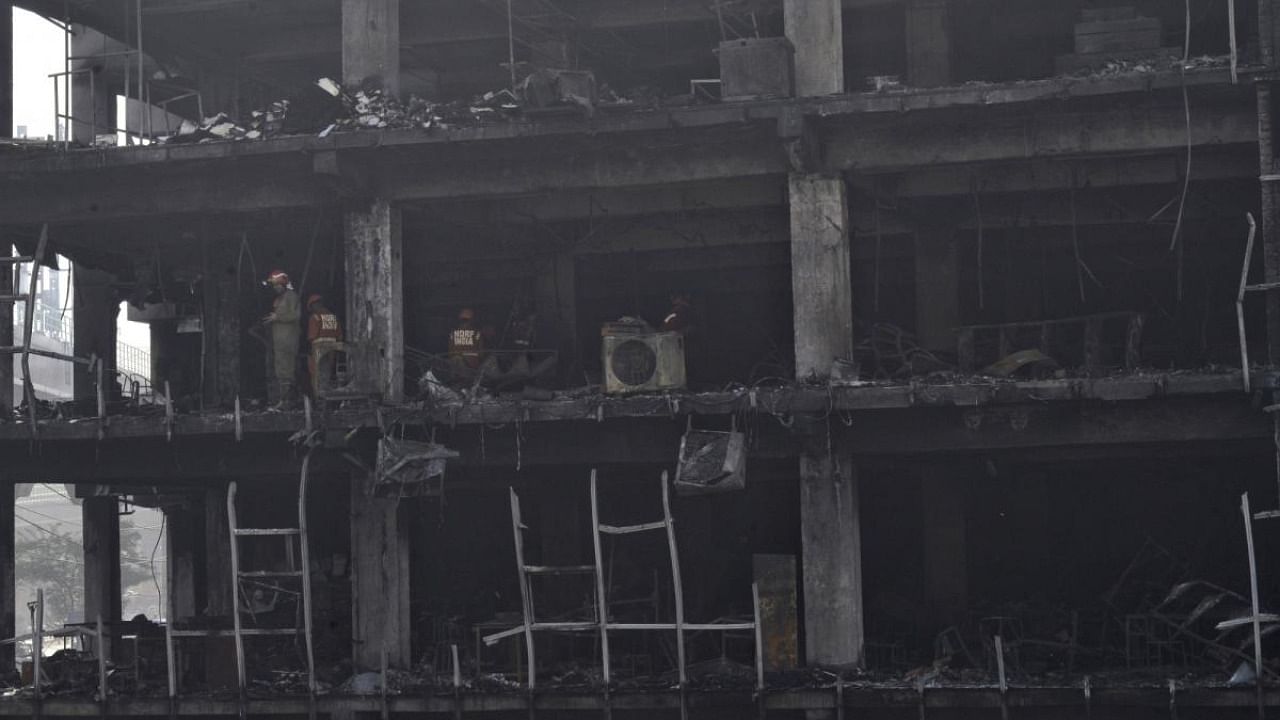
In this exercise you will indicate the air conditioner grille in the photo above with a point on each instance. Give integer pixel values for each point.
(634, 363)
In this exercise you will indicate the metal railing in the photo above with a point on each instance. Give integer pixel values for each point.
(133, 360)
(52, 323)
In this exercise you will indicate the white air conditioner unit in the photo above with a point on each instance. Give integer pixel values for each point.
(643, 362)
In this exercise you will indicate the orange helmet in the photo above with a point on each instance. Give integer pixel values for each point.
(466, 314)
(313, 299)
(277, 277)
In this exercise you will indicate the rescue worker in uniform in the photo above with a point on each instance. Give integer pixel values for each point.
(519, 337)
(466, 347)
(324, 334)
(680, 319)
(283, 320)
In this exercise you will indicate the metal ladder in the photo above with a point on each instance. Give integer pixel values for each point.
(602, 624)
(25, 350)
(245, 581)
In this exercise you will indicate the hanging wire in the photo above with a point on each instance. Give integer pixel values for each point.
(1186, 111)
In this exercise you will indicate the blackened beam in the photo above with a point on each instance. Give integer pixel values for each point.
(1052, 174)
(1117, 429)
(876, 144)
(774, 401)
(862, 697)
(1026, 100)
(1040, 175)
(412, 172)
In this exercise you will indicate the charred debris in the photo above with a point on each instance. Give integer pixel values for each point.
(681, 358)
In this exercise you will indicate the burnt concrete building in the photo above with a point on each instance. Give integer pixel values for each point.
(977, 330)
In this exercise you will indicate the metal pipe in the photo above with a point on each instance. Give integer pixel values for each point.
(1244, 281)
(66, 67)
(102, 666)
(677, 585)
(1231, 31)
(304, 543)
(1253, 591)
(37, 642)
(602, 604)
(138, 45)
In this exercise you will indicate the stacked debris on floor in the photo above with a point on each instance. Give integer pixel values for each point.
(1152, 622)
(326, 106)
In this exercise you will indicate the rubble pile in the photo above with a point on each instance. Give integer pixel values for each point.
(326, 107)
(1159, 62)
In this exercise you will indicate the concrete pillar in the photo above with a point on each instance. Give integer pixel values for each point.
(937, 288)
(928, 43)
(221, 306)
(217, 553)
(6, 81)
(8, 586)
(814, 27)
(556, 297)
(101, 522)
(775, 576)
(1269, 219)
(375, 300)
(182, 540)
(380, 574)
(371, 44)
(942, 509)
(93, 102)
(821, 287)
(831, 537)
(96, 307)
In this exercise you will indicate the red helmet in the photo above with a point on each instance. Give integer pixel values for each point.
(278, 277)
(313, 299)
(466, 314)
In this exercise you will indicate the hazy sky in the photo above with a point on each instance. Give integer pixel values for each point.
(37, 51)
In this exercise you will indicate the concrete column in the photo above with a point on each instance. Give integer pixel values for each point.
(371, 43)
(8, 586)
(821, 287)
(928, 43)
(1269, 218)
(101, 522)
(96, 307)
(832, 557)
(221, 306)
(217, 553)
(379, 580)
(93, 102)
(375, 300)
(556, 295)
(181, 542)
(942, 510)
(6, 83)
(814, 27)
(937, 288)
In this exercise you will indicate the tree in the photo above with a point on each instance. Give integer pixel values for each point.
(52, 560)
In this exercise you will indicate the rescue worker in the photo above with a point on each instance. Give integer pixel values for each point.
(680, 319)
(324, 334)
(520, 336)
(466, 347)
(283, 320)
